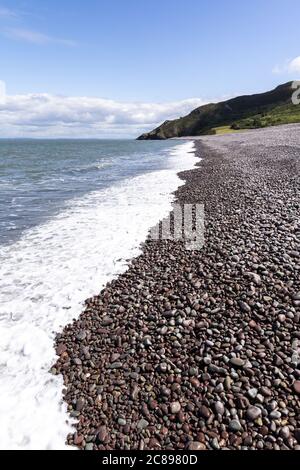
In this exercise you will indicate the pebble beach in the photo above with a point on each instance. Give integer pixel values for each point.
(200, 350)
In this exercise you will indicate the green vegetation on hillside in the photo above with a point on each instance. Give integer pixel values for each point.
(285, 114)
(245, 112)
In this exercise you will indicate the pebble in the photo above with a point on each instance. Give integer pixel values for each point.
(147, 341)
(204, 412)
(194, 446)
(215, 443)
(163, 367)
(142, 424)
(80, 404)
(253, 413)
(235, 426)
(107, 321)
(244, 307)
(81, 335)
(175, 407)
(275, 414)
(237, 362)
(285, 432)
(89, 446)
(102, 433)
(296, 387)
(135, 392)
(193, 371)
(116, 365)
(122, 422)
(252, 393)
(219, 407)
(228, 382)
(256, 278)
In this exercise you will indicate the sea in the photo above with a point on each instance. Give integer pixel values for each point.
(73, 213)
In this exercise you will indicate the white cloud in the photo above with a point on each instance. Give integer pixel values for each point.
(291, 66)
(45, 115)
(35, 37)
(294, 65)
(7, 13)
(2, 92)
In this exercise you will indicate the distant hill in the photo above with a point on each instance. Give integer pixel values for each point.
(244, 112)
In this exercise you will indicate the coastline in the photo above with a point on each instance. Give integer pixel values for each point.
(194, 350)
(54, 267)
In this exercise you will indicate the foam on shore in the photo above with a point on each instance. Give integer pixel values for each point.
(47, 275)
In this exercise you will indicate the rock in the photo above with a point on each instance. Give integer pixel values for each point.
(215, 443)
(296, 387)
(266, 392)
(219, 408)
(163, 330)
(77, 361)
(102, 434)
(244, 306)
(235, 426)
(227, 383)
(256, 278)
(142, 424)
(193, 371)
(254, 325)
(204, 412)
(78, 439)
(147, 341)
(153, 404)
(121, 422)
(154, 444)
(163, 367)
(135, 392)
(80, 404)
(285, 432)
(237, 362)
(175, 407)
(181, 417)
(61, 348)
(297, 435)
(114, 357)
(81, 335)
(107, 321)
(116, 365)
(89, 446)
(252, 393)
(194, 446)
(253, 413)
(275, 414)
(195, 382)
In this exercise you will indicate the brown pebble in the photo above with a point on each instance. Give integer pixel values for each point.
(196, 446)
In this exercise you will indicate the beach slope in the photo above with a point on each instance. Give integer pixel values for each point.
(199, 349)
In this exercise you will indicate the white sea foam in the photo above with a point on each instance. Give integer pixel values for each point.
(47, 275)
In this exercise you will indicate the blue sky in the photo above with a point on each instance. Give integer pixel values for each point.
(158, 52)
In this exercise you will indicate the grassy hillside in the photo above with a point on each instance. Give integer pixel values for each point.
(284, 114)
(245, 112)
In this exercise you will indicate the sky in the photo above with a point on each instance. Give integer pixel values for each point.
(116, 68)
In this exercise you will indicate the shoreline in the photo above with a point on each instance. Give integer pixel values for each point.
(54, 267)
(194, 350)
